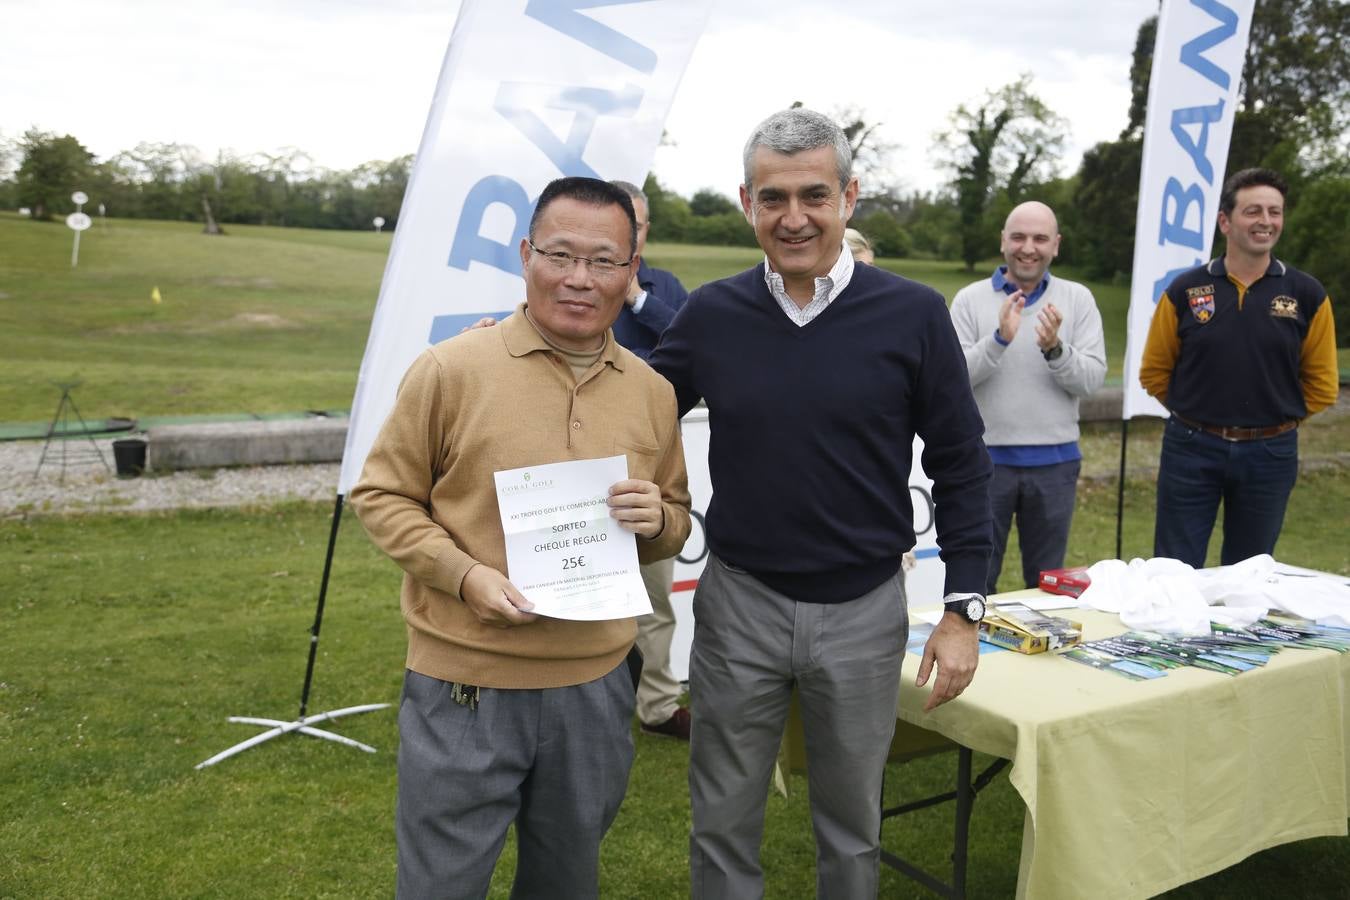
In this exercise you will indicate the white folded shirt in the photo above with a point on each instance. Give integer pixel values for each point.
(1168, 595)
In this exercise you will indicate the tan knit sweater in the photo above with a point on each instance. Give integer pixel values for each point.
(493, 399)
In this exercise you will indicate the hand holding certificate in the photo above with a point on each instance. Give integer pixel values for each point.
(565, 552)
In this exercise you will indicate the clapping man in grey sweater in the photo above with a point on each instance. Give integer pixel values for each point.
(1034, 346)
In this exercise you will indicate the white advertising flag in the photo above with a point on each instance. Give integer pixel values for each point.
(1192, 96)
(529, 91)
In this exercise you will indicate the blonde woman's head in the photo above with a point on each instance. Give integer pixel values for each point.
(859, 246)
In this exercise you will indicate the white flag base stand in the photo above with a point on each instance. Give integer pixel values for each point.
(302, 725)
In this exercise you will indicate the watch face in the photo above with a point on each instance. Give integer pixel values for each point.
(971, 608)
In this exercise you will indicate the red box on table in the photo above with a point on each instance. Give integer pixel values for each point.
(1070, 582)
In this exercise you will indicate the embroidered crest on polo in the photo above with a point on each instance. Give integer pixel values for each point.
(1284, 307)
(1202, 306)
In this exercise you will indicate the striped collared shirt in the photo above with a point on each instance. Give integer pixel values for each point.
(828, 287)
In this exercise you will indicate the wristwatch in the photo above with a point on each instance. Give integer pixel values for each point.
(968, 606)
(1054, 352)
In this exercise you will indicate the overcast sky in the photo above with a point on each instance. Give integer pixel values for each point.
(351, 80)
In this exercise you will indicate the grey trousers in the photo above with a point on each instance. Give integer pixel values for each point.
(554, 761)
(658, 693)
(751, 645)
(1042, 498)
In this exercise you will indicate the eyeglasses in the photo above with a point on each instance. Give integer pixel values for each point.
(599, 266)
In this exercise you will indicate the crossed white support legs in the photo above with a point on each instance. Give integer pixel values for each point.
(301, 725)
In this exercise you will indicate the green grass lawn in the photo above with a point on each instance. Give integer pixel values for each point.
(130, 639)
(261, 320)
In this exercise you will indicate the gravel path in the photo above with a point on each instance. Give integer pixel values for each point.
(89, 486)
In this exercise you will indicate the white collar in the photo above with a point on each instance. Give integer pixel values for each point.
(832, 282)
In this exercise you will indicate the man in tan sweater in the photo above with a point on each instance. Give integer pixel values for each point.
(508, 716)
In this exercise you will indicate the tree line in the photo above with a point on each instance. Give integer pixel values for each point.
(1293, 115)
(175, 181)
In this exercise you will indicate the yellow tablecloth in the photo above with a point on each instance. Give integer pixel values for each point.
(1133, 788)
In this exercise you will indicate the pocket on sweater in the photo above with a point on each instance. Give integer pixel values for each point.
(642, 457)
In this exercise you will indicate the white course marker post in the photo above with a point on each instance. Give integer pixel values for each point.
(78, 221)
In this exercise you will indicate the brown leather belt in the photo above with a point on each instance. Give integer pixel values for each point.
(1229, 433)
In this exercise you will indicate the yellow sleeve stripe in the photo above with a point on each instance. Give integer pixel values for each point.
(1161, 349)
(1317, 370)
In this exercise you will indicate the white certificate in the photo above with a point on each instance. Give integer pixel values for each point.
(564, 551)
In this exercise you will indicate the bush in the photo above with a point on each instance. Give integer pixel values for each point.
(888, 236)
(726, 229)
(1103, 210)
(1315, 240)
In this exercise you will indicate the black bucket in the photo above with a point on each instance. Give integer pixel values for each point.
(129, 455)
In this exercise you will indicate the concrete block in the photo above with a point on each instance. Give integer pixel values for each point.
(321, 440)
(1103, 406)
(252, 443)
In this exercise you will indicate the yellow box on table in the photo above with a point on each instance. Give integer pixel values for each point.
(1015, 626)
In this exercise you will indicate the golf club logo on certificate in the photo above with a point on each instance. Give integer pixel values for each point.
(564, 551)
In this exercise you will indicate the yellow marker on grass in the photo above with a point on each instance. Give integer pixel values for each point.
(155, 298)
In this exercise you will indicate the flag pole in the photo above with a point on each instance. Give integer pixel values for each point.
(318, 609)
(1120, 485)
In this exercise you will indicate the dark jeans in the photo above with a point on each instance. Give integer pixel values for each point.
(1041, 498)
(1198, 469)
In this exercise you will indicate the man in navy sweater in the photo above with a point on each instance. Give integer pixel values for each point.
(817, 375)
(654, 296)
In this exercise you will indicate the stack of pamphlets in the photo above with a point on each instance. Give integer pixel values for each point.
(1141, 655)
(1016, 626)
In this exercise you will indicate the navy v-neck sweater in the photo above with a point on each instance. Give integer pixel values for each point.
(812, 431)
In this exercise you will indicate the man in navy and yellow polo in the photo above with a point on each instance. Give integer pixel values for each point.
(1240, 351)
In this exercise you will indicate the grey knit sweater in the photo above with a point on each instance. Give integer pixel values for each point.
(1022, 398)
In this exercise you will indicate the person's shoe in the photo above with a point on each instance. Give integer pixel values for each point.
(677, 726)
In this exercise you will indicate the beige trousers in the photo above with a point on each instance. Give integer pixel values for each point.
(658, 693)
